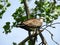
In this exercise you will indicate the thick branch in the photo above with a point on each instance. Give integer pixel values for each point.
(27, 38)
(27, 14)
(42, 39)
(26, 9)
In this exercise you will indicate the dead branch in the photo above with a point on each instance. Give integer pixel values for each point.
(50, 25)
(52, 37)
(49, 32)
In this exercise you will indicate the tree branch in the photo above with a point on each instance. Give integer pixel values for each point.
(26, 9)
(52, 37)
(49, 25)
(27, 38)
(42, 39)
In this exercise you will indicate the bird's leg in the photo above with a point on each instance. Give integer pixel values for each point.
(30, 37)
(36, 34)
(29, 34)
(35, 37)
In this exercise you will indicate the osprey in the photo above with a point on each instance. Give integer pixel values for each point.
(34, 22)
(32, 25)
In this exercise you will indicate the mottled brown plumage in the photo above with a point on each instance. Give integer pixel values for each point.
(34, 22)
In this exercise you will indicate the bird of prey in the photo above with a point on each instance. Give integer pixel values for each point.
(32, 25)
(34, 22)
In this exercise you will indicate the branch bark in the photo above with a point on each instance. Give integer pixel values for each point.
(42, 38)
(27, 10)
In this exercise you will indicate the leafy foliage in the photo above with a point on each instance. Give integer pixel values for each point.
(1, 13)
(58, 7)
(8, 4)
(29, 42)
(14, 43)
(22, 1)
(49, 10)
(19, 16)
(46, 9)
(7, 28)
(3, 6)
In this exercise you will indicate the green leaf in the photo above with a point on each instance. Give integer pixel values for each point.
(6, 0)
(1, 6)
(17, 19)
(14, 43)
(58, 6)
(7, 28)
(55, 16)
(22, 1)
(23, 43)
(8, 4)
(48, 19)
(7, 23)
(36, 2)
(47, 11)
(31, 16)
(29, 42)
(14, 24)
(19, 15)
(1, 13)
(23, 18)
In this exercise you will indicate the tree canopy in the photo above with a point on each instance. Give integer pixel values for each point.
(50, 10)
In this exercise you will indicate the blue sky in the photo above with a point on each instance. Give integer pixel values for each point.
(18, 34)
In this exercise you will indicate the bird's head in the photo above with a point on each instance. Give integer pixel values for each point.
(41, 19)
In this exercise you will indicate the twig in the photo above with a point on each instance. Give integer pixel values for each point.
(40, 43)
(49, 32)
(52, 37)
(51, 24)
(54, 40)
